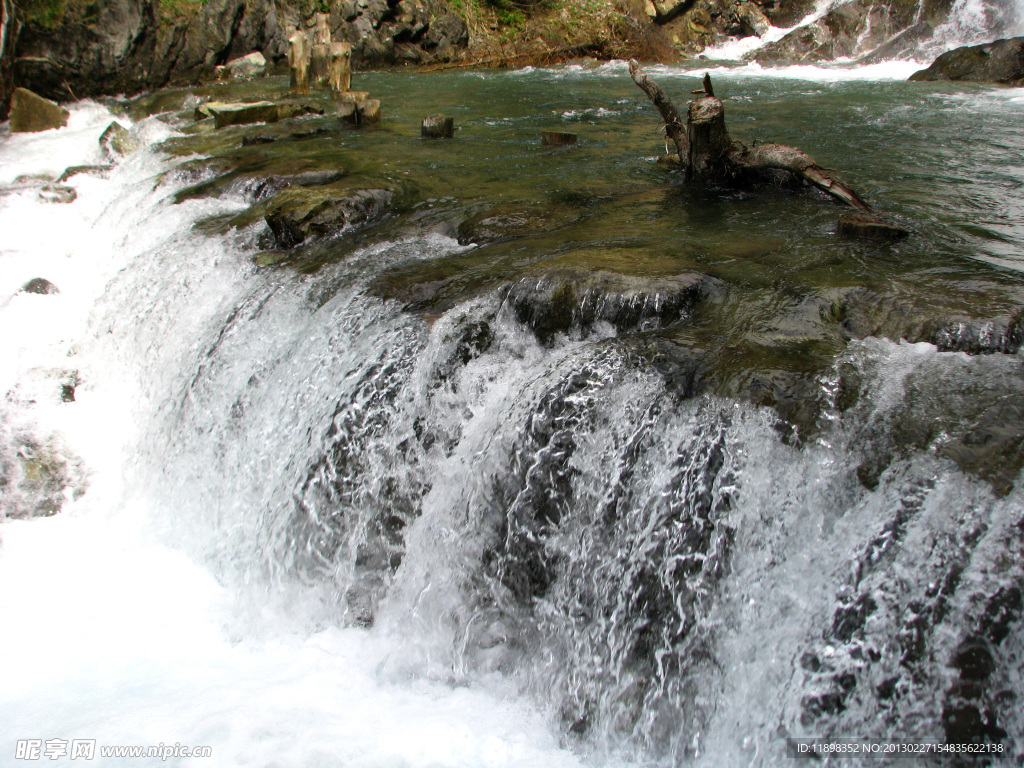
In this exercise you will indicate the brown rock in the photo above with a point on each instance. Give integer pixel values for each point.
(555, 138)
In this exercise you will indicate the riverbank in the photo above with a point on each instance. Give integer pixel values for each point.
(70, 49)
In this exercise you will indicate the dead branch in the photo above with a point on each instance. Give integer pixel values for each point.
(712, 157)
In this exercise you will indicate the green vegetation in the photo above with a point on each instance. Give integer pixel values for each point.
(175, 9)
(44, 13)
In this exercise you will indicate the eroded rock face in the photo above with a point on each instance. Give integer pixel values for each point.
(301, 212)
(574, 300)
(999, 62)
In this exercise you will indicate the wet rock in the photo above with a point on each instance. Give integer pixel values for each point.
(42, 477)
(752, 19)
(31, 113)
(847, 30)
(573, 300)
(244, 67)
(269, 138)
(57, 193)
(869, 226)
(298, 213)
(117, 141)
(39, 285)
(557, 138)
(445, 31)
(75, 170)
(671, 161)
(507, 222)
(240, 114)
(999, 62)
(863, 313)
(438, 127)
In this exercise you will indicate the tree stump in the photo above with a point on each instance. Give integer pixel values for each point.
(298, 61)
(319, 63)
(712, 158)
(369, 111)
(322, 29)
(340, 76)
(438, 127)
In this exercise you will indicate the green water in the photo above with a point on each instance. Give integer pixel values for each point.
(943, 161)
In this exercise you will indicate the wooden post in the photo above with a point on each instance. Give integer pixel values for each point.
(340, 75)
(298, 61)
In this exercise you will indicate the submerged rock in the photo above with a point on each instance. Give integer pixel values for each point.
(31, 113)
(509, 221)
(573, 300)
(999, 62)
(863, 313)
(298, 213)
(869, 226)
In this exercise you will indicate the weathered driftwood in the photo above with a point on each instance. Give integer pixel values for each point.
(298, 61)
(710, 156)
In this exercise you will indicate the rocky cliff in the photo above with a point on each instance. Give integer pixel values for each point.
(69, 49)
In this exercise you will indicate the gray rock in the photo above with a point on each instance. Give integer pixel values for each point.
(999, 62)
(449, 27)
(244, 67)
(31, 113)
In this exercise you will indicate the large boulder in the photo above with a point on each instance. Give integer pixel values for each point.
(999, 62)
(244, 67)
(31, 113)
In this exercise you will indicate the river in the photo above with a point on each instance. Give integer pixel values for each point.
(560, 462)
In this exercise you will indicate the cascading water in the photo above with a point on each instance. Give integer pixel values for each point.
(408, 500)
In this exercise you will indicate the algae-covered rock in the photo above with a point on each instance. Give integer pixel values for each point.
(574, 300)
(509, 221)
(37, 477)
(31, 113)
(999, 62)
(301, 212)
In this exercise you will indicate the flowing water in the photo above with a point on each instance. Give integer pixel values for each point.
(558, 462)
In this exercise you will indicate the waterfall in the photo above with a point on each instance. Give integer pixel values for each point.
(308, 526)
